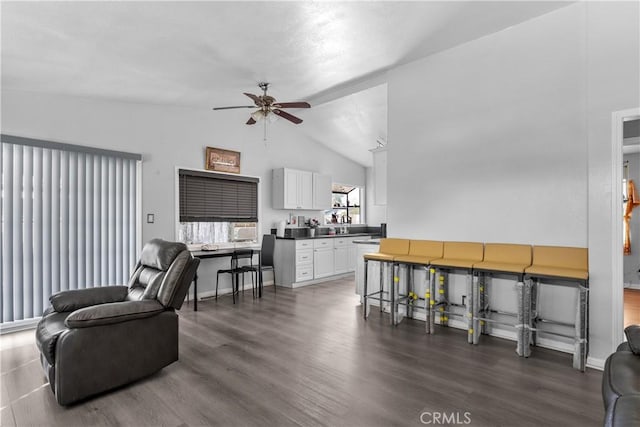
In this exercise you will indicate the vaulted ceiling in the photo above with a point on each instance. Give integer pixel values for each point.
(205, 54)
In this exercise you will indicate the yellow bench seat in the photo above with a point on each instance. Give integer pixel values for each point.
(389, 249)
(460, 255)
(414, 259)
(505, 257)
(506, 267)
(559, 261)
(377, 256)
(560, 272)
(421, 252)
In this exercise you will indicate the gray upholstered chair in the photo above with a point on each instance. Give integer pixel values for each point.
(621, 382)
(92, 340)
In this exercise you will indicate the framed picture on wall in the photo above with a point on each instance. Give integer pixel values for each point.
(220, 160)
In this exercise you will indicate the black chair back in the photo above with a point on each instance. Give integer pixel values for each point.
(268, 249)
(239, 254)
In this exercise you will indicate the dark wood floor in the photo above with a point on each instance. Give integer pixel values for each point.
(306, 357)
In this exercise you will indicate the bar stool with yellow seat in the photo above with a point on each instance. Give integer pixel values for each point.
(500, 259)
(559, 266)
(457, 257)
(421, 253)
(389, 249)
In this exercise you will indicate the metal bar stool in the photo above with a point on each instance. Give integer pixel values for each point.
(500, 259)
(421, 253)
(389, 249)
(457, 257)
(559, 266)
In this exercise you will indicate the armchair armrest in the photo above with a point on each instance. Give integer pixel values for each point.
(633, 338)
(80, 298)
(110, 313)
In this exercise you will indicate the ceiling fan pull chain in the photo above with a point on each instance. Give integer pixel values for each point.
(265, 131)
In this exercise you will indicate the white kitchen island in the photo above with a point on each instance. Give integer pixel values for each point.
(365, 247)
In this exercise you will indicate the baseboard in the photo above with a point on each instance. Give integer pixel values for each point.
(552, 344)
(632, 286)
(320, 280)
(595, 363)
(17, 326)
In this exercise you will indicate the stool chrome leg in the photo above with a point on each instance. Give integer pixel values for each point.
(382, 264)
(442, 298)
(469, 308)
(364, 292)
(432, 300)
(533, 312)
(476, 311)
(580, 352)
(427, 300)
(393, 283)
(528, 291)
(484, 302)
(409, 304)
(521, 323)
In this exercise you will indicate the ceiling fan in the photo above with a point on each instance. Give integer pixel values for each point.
(267, 105)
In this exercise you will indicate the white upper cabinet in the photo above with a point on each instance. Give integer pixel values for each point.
(292, 189)
(379, 176)
(321, 191)
(297, 189)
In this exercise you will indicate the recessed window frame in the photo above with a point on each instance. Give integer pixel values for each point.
(231, 176)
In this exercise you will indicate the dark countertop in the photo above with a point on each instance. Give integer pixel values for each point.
(325, 236)
(374, 241)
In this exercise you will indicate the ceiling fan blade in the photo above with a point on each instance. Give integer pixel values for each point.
(287, 116)
(251, 121)
(255, 98)
(231, 108)
(292, 105)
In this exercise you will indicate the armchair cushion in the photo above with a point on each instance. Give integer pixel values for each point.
(117, 312)
(159, 254)
(80, 298)
(47, 333)
(633, 338)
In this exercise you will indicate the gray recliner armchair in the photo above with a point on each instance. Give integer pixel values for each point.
(621, 382)
(92, 340)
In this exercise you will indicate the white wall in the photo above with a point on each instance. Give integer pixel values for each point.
(612, 84)
(172, 136)
(507, 139)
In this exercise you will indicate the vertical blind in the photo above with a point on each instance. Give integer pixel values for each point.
(211, 197)
(69, 221)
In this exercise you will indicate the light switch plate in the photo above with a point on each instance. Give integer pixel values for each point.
(151, 218)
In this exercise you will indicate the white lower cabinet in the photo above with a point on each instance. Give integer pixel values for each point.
(352, 255)
(341, 255)
(323, 262)
(305, 260)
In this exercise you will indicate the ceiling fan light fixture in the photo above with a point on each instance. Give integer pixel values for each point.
(268, 109)
(257, 115)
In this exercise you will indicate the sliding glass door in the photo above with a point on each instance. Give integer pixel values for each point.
(69, 221)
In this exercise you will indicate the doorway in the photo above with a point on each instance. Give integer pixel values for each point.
(631, 258)
(623, 300)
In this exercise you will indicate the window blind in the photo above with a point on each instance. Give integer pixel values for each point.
(211, 197)
(69, 221)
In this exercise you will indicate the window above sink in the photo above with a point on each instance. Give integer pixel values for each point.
(346, 205)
